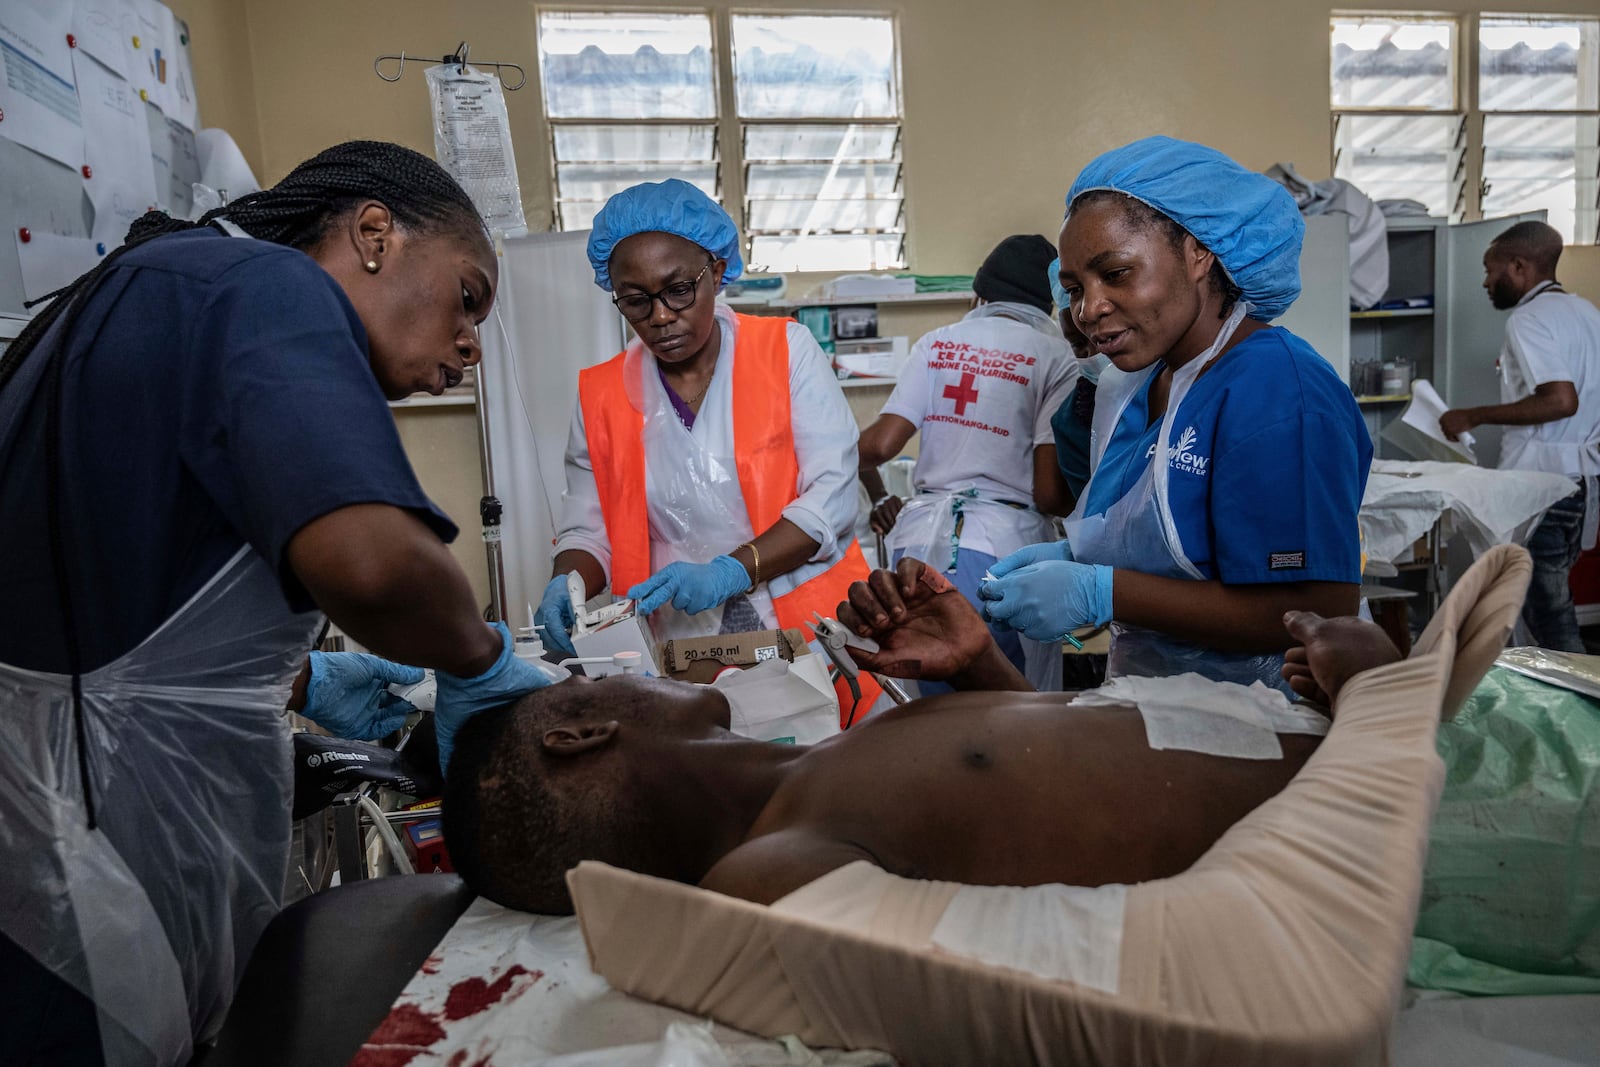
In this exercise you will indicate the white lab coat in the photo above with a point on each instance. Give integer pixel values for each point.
(690, 524)
(1552, 336)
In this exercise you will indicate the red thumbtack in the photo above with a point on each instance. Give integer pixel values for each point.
(72, 42)
(25, 234)
(87, 173)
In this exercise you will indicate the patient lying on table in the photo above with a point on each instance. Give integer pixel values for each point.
(990, 785)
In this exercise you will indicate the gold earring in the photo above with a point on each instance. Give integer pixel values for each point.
(372, 266)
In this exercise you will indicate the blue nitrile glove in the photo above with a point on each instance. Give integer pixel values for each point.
(348, 694)
(555, 614)
(1043, 552)
(459, 699)
(1046, 601)
(692, 587)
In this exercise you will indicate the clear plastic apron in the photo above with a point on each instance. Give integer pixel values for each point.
(153, 912)
(926, 527)
(1138, 533)
(695, 503)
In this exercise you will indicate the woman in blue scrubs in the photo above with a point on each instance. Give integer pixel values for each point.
(1228, 457)
(196, 461)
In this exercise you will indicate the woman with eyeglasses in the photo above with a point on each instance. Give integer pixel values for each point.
(710, 466)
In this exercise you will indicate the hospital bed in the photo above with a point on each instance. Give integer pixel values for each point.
(1286, 943)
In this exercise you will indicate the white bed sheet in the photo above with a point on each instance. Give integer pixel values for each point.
(1486, 507)
(552, 1008)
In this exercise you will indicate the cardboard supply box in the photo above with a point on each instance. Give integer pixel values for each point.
(701, 659)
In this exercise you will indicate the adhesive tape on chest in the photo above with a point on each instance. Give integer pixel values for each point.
(1190, 713)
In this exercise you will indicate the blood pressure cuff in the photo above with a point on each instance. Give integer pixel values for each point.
(324, 767)
(1287, 942)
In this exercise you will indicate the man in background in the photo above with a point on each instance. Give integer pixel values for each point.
(1550, 403)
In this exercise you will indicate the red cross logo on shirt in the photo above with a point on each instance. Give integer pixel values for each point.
(962, 394)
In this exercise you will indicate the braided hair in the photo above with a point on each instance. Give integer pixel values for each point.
(297, 212)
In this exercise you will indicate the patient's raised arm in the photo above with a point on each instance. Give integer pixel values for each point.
(926, 630)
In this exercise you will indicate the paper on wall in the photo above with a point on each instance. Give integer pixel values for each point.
(38, 100)
(1417, 430)
(50, 261)
(222, 165)
(183, 159)
(101, 29)
(121, 183)
(150, 40)
(185, 107)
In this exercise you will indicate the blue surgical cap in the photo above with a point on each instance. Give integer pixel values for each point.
(1247, 220)
(1056, 292)
(672, 206)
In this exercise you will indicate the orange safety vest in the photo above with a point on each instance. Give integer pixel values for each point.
(763, 438)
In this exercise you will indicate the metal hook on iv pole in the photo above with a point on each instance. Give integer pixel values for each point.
(459, 58)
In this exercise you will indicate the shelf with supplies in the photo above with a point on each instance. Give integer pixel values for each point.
(754, 303)
(1392, 313)
(433, 402)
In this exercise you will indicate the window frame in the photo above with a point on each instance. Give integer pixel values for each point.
(1456, 110)
(728, 145)
(553, 123)
(1471, 186)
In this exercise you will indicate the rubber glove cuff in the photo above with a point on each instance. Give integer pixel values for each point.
(1048, 600)
(692, 587)
(459, 699)
(1100, 598)
(348, 694)
(1043, 552)
(557, 617)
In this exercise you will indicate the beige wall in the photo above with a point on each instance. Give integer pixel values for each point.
(1004, 102)
(224, 70)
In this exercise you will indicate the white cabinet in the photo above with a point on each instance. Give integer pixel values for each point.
(1453, 343)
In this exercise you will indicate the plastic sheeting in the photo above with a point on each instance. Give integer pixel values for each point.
(153, 913)
(1511, 892)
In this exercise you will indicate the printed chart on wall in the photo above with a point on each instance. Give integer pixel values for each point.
(97, 92)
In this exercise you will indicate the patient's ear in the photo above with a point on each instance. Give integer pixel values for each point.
(578, 740)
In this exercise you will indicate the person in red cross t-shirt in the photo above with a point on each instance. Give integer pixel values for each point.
(981, 393)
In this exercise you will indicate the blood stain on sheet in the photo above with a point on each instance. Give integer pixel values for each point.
(472, 995)
(402, 1037)
(431, 965)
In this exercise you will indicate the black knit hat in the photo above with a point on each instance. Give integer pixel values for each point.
(1017, 271)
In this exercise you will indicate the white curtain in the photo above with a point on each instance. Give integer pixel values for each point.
(550, 321)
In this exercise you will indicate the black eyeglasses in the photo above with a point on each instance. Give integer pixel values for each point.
(679, 296)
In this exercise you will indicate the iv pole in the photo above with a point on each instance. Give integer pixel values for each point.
(489, 506)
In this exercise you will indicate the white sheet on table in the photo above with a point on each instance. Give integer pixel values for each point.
(559, 1007)
(1487, 507)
